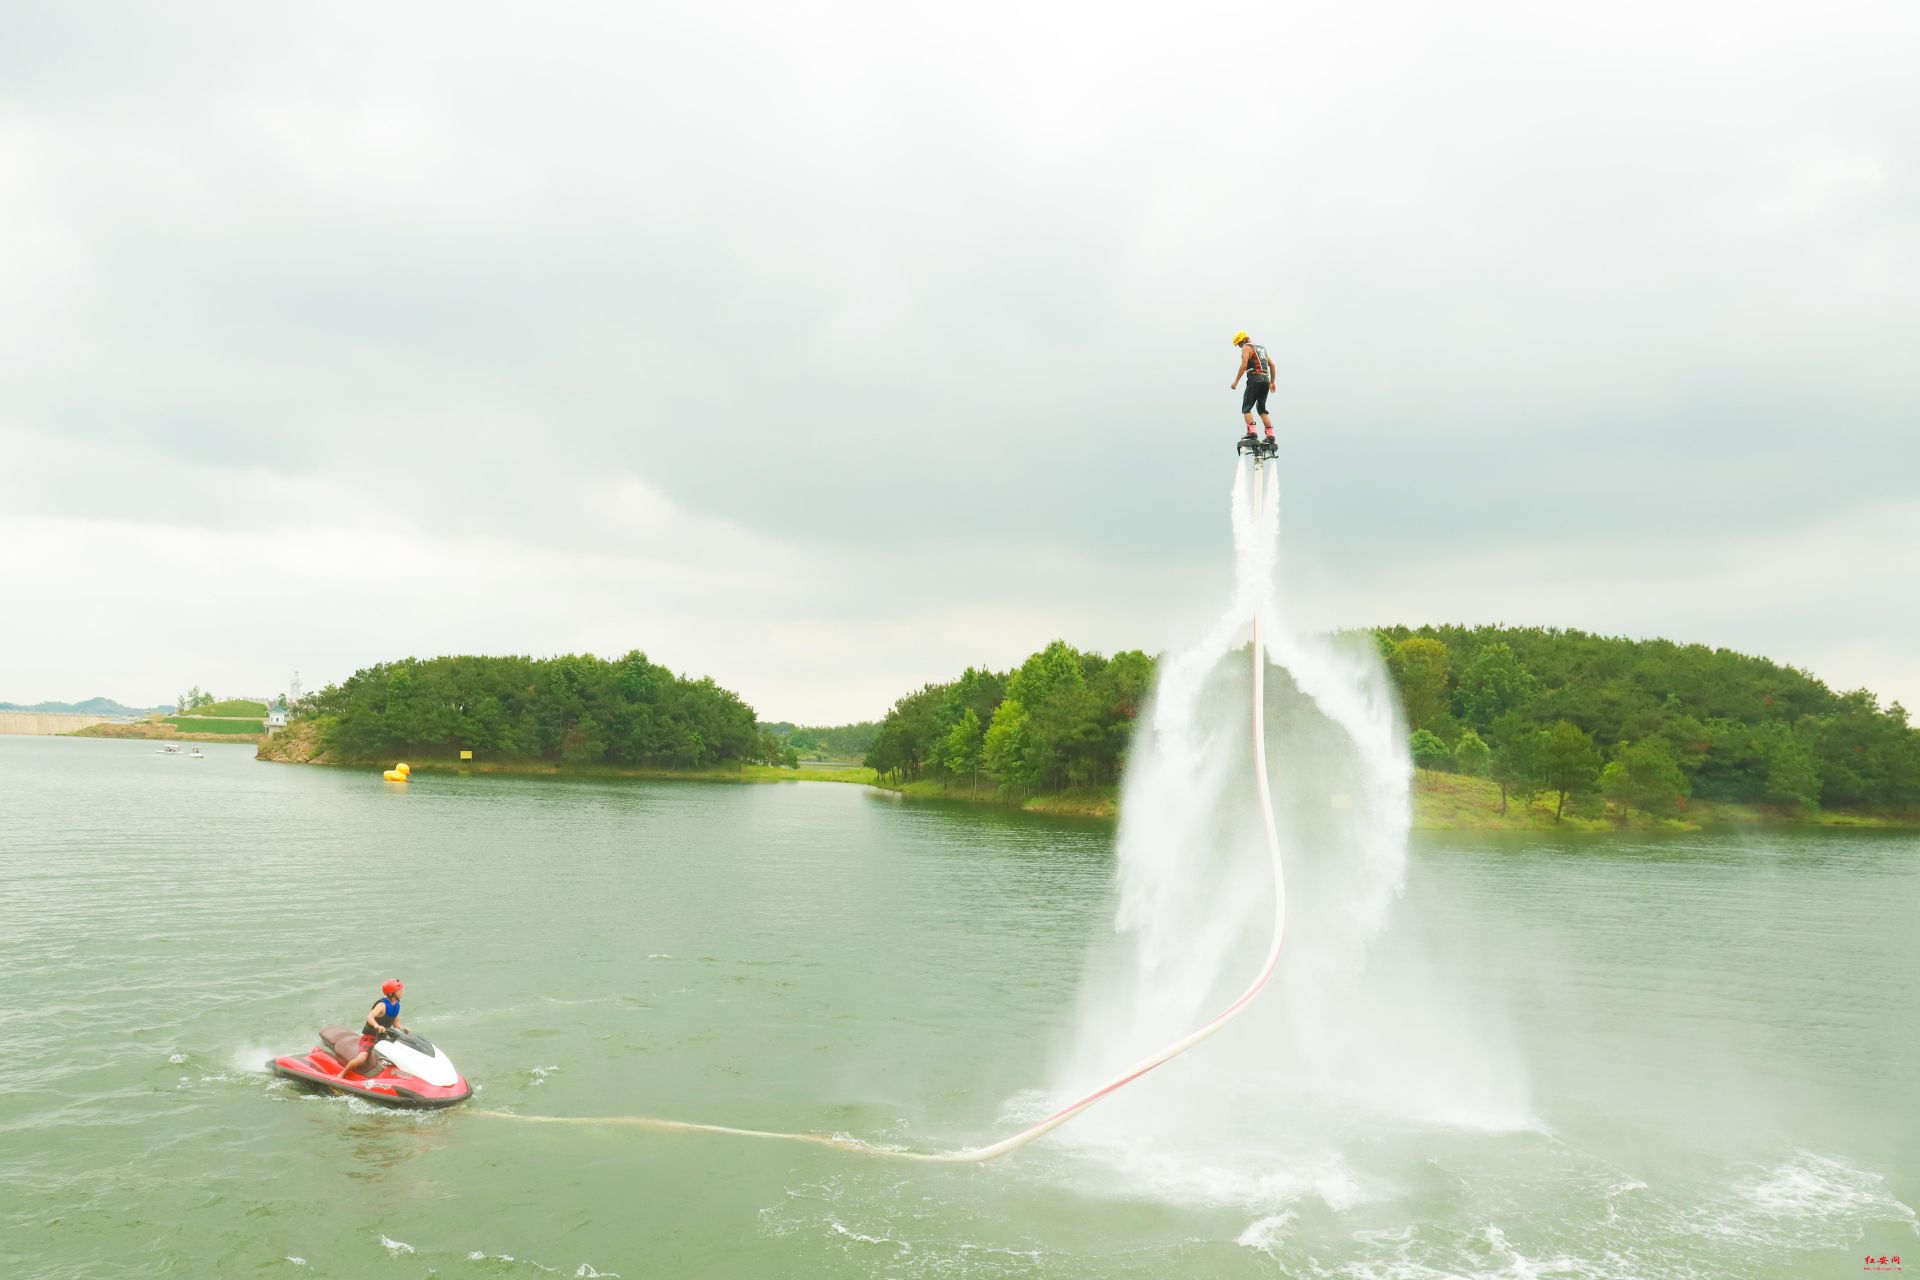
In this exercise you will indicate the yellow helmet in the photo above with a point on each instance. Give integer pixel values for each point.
(1239, 337)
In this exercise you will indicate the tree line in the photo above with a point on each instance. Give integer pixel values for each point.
(1643, 725)
(1062, 719)
(573, 709)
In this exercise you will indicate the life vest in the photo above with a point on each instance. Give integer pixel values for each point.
(1258, 366)
(383, 1021)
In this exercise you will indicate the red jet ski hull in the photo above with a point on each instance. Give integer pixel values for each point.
(323, 1067)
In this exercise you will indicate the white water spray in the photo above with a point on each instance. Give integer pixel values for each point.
(1360, 1033)
(1196, 892)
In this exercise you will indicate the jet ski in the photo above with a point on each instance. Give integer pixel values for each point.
(404, 1070)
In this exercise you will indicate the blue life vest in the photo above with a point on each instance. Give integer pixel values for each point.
(384, 1021)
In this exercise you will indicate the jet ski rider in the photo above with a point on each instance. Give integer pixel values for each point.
(1258, 370)
(382, 1020)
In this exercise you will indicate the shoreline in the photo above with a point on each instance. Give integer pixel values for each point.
(617, 773)
(1454, 802)
(298, 744)
(1441, 801)
(159, 731)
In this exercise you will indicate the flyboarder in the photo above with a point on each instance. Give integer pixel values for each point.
(1258, 371)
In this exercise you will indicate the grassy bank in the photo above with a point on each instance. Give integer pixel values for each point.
(1441, 802)
(1090, 802)
(541, 768)
(1454, 802)
(232, 708)
(427, 767)
(228, 726)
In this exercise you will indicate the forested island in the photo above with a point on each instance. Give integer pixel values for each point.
(575, 709)
(1602, 728)
(1507, 725)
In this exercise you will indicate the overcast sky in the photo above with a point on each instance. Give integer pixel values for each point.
(827, 349)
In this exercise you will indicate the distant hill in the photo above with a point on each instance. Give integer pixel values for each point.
(91, 707)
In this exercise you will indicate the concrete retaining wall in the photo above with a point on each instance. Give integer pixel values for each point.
(45, 722)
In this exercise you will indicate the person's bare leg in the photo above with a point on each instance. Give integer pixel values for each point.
(359, 1061)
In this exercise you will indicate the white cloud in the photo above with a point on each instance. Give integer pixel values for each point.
(170, 574)
(901, 331)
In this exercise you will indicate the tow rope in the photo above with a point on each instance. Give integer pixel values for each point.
(972, 1155)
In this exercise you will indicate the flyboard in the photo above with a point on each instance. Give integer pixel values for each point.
(1261, 452)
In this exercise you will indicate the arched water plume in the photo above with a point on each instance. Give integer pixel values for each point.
(1339, 1031)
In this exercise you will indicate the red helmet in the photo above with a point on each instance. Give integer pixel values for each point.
(391, 987)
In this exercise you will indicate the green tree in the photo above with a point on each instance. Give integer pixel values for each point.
(1046, 675)
(583, 743)
(1517, 763)
(1429, 752)
(978, 690)
(1686, 735)
(965, 747)
(1568, 762)
(1493, 684)
(912, 735)
(575, 709)
(1471, 755)
(1646, 776)
(1122, 689)
(1004, 750)
(1063, 726)
(1418, 665)
(1614, 785)
(1793, 779)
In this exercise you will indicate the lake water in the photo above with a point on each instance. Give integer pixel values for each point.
(1709, 1042)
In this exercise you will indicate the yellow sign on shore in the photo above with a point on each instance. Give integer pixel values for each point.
(466, 755)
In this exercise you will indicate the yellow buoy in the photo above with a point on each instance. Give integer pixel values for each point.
(394, 775)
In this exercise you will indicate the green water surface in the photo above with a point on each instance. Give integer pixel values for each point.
(1718, 1036)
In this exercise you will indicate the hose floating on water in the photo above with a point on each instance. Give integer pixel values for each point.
(973, 1155)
